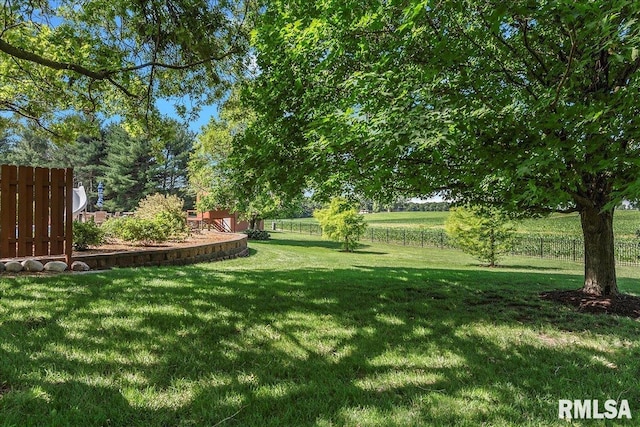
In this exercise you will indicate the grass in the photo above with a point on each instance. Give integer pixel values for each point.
(626, 223)
(302, 334)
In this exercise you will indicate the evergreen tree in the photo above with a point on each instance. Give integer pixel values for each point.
(30, 149)
(128, 171)
(5, 144)
(86, 156)
(176, 146)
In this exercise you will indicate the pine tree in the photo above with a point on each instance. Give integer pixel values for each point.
(173, 159)
(86, 156)
(128, 171)
(30, 149)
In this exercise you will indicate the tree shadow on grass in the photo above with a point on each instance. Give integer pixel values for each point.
(328, 244)
(526, 267)
(392, 346)
(359, 251)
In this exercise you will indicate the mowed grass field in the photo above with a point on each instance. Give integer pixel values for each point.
(626, 223)
(301, 334)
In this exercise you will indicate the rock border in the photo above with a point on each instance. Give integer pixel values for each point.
(235, 247)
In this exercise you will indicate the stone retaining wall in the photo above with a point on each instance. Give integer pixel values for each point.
(236, 246)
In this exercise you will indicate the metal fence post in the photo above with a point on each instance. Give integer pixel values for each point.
(541, 247)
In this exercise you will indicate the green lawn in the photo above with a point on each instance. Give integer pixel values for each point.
(300, 334)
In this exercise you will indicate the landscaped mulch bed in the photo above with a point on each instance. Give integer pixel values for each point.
(621, 305)
(192, 240)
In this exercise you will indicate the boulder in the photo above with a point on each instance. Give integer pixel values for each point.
(1, 267)
(55, 266)
(13, 267)
(32, 265)
(79, 266)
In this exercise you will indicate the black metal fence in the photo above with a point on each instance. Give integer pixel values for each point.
(552, 247)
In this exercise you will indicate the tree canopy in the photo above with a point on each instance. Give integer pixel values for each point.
(65, 59)
(526, 106)
(221, 180)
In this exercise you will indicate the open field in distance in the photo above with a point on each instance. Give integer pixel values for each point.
(625, 222)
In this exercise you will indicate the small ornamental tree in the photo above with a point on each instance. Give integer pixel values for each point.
(167, 211)
(341, 222)
(483, 233)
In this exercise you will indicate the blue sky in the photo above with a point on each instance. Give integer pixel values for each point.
(166, 108)
(203, 118)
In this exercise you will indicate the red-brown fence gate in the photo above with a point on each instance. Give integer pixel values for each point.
(35, 211)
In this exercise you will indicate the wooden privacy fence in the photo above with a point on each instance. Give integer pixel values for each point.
(35, 211)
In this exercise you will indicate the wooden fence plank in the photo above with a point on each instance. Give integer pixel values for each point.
(56, 236)
(25, 211)
(68, 216)
(41, 239)
(8, 190)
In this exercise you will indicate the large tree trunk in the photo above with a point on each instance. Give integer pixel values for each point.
(253, 219)
(599, 259)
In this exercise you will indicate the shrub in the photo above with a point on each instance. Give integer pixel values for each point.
(153, 204)
(167, 211)
(137, 230)
(484, 233)
(86, 234)
(341, 222)
(174, 226)
(254, 234)
(111, 227)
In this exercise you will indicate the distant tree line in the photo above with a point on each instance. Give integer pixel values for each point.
(403, 205)
(308, 205)
(130, 166)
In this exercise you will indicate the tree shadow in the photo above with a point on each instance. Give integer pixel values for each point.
(300, 346)
(526, 267)
(327, 244)
(358, 251)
